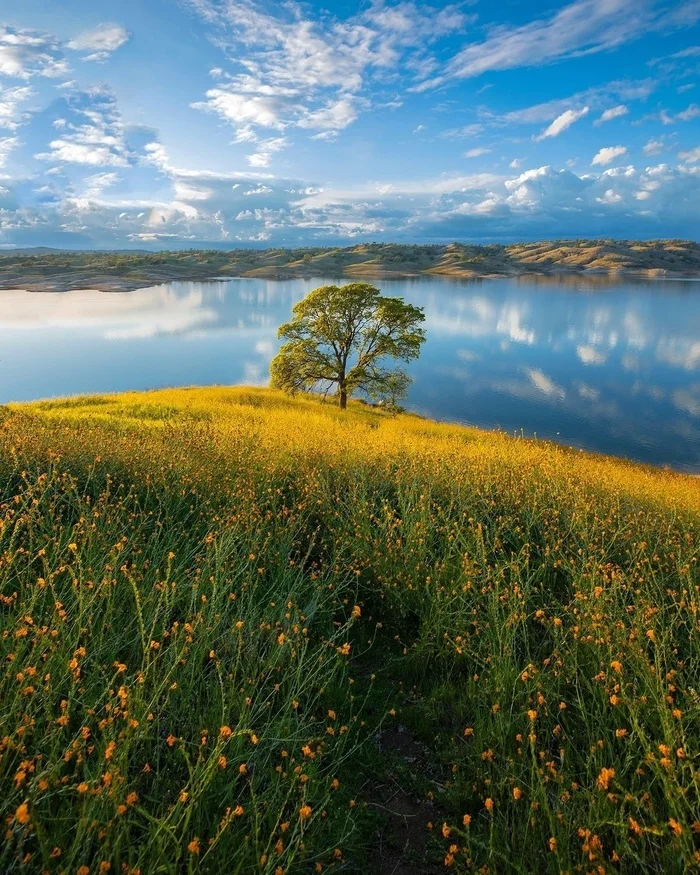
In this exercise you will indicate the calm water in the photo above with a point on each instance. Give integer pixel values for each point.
(609, 367)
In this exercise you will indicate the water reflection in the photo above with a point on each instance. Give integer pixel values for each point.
(611, 366)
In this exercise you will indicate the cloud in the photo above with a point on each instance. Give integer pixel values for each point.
(96, 137)
(599, 96)
(311, 73)
(10, 101)
(334, 116)
(265, 150)
(653, 147)
(610, 114)
(28, 53)
(692, 112)
(691, 156)
(99, 42)
(98, 182)
(7, 144)
(246, 207)
(580, 28)
(476, 153)
(258, 106)
(562, 122)
(608, 154)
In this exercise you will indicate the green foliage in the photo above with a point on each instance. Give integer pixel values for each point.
(344, 337)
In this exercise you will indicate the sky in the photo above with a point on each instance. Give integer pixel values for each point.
(236, 123)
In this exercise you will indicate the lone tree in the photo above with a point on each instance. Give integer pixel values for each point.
(345, 337)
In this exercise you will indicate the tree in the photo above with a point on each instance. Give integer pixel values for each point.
(345, 337)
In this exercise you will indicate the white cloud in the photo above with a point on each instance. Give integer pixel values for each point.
(99, 42)
(334, 116)
(311, 73)
(265, 150)
(582, 27)
(608, 154)
(598, 96)
(10, 100)
(27, 53)
(98, 182)
(610, 196)
(477, 152)
(562, 122)
(691, 156)
(245, 207)
(96, 138)
(7, 144)
(241, 109)
(653, 147)
(692, 112)
(610, 114)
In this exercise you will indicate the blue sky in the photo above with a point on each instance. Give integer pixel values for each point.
(158, 123)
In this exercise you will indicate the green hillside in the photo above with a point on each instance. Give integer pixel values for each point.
(246, 633)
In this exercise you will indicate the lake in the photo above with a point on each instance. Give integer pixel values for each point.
(593, 363)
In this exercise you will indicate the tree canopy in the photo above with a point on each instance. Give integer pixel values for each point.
(346, 338)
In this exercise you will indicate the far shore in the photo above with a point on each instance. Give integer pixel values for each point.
(72, 281)
(54, 270)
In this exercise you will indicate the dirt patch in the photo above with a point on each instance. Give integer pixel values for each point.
(402, 795)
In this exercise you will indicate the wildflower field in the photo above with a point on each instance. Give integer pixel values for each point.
(246, 633)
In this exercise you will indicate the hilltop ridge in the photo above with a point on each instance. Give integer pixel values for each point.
(55, 270)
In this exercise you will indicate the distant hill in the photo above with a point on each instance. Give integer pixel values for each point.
(55, 270)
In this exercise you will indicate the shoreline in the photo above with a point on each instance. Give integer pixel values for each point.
(72, 281)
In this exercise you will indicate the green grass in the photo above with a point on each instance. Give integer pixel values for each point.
(176, 562)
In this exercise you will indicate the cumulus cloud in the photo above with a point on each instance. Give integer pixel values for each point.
(608, 154)
(301, 78)
(610, 114)
(242, 207)
(562, 122)
(99, 42)
(653, 147)
(28, 53)
(95, 138)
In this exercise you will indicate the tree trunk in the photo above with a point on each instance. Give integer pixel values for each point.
(342, 389)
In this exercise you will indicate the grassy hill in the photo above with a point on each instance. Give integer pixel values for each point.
(246, 633)
(120, 271)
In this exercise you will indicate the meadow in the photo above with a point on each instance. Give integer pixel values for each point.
(242, 632)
